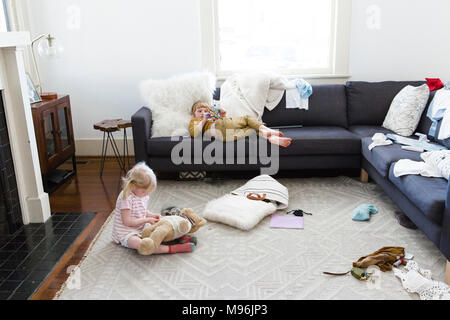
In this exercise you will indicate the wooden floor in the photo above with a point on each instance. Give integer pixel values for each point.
(85, 192)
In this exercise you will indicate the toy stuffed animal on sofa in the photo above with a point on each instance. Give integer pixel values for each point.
(174, 224)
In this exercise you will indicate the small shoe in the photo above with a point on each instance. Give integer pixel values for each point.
(404, 221)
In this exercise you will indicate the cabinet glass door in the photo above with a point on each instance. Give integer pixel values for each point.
(64, 135)
(49, 134)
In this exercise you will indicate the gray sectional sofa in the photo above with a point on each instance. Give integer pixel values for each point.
(335, 134)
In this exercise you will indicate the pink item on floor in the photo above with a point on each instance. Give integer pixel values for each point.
(286, 222)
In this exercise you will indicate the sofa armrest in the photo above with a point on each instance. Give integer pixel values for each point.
(141, 123)
(445, 234)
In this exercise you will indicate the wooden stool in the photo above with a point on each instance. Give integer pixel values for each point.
(108, 127)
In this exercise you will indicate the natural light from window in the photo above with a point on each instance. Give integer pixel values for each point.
(284, 35)
(3, 23)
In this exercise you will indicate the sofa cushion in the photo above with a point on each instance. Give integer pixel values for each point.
(327, 107)
(368, 131)
(428, 194)
(305, 141)
(382, 157)
(369, 102)
(321, 140)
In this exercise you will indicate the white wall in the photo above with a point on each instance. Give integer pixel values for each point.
(118, 44)
(413, 41)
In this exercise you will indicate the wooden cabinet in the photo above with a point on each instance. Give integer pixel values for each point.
(55, 141)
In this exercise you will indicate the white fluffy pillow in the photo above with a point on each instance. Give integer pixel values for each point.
(406, 109)
(171, 101)
(238, 211)
(440, 160)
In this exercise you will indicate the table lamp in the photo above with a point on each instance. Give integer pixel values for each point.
(47, 47)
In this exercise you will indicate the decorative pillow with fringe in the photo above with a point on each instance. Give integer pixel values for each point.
(171, 101)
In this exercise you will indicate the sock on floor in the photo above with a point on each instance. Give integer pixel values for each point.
(186, 238)
(182, 247)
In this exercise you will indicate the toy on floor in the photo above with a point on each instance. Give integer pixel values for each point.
(175, 224)
(363, 212)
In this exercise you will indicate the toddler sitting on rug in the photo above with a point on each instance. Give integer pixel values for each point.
(131, 215)
(228, 129)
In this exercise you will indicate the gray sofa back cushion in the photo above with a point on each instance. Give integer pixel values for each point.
(369, 102)
(327, 107)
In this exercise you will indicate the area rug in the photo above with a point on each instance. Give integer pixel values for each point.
(262, 263)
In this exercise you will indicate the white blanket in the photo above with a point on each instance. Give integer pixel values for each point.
(249, 93)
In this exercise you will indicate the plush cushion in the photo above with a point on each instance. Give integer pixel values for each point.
(305, 141)
(321, 140)
(327, 107)
(428, 194)
(406, 110)
(171, 101)
(434, 83)
(382, 157)
(368, 131)
(440, 160)
(369, 102)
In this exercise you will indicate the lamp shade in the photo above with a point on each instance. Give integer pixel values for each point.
(49, 47)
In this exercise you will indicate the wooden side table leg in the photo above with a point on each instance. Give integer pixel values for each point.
(74, 164)
(116, 151)
(104, 149)
(364, 176)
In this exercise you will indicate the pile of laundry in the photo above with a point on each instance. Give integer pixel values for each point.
(413, 278)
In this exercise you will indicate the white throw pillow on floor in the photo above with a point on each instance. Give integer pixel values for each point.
(171, 101)
(238, 211)
(406, 110)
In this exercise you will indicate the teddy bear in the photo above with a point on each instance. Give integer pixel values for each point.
(174, 224)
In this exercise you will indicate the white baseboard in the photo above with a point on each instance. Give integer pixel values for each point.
(93, 147)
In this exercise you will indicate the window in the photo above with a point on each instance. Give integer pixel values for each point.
(4, 27)
(295, 37)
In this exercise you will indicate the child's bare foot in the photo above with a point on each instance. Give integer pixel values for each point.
(281, 141)
(267, 132)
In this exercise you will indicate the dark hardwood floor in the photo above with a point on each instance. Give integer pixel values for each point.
(85, 192)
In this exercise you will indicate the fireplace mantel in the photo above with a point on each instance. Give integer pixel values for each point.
(34, 201)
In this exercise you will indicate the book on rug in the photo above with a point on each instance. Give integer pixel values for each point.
(286, 222)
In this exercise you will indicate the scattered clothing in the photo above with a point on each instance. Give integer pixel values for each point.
(379, 139)
(418, 280)
(299, 96)
(295, 101)
(439, 110)
(248, 93)
(405, 167)
(419, 143)
(384, 258)
(404, 221)
(363, 212)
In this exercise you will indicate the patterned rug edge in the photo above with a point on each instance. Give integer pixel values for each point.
(91, 245)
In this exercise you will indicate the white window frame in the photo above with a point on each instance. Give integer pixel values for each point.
(340, 43)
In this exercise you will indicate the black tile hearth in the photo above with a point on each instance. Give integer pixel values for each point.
(30, 254)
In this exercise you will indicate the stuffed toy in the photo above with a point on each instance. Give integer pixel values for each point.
(174, 224)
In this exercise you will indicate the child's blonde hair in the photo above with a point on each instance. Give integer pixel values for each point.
(198, 105)
(141, 176)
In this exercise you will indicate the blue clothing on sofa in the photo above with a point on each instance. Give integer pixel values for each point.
(304, 88)
(363, 212)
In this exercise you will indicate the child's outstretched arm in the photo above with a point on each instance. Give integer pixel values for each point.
(130, 222)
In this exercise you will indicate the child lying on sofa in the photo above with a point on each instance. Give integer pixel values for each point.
(229, 129)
